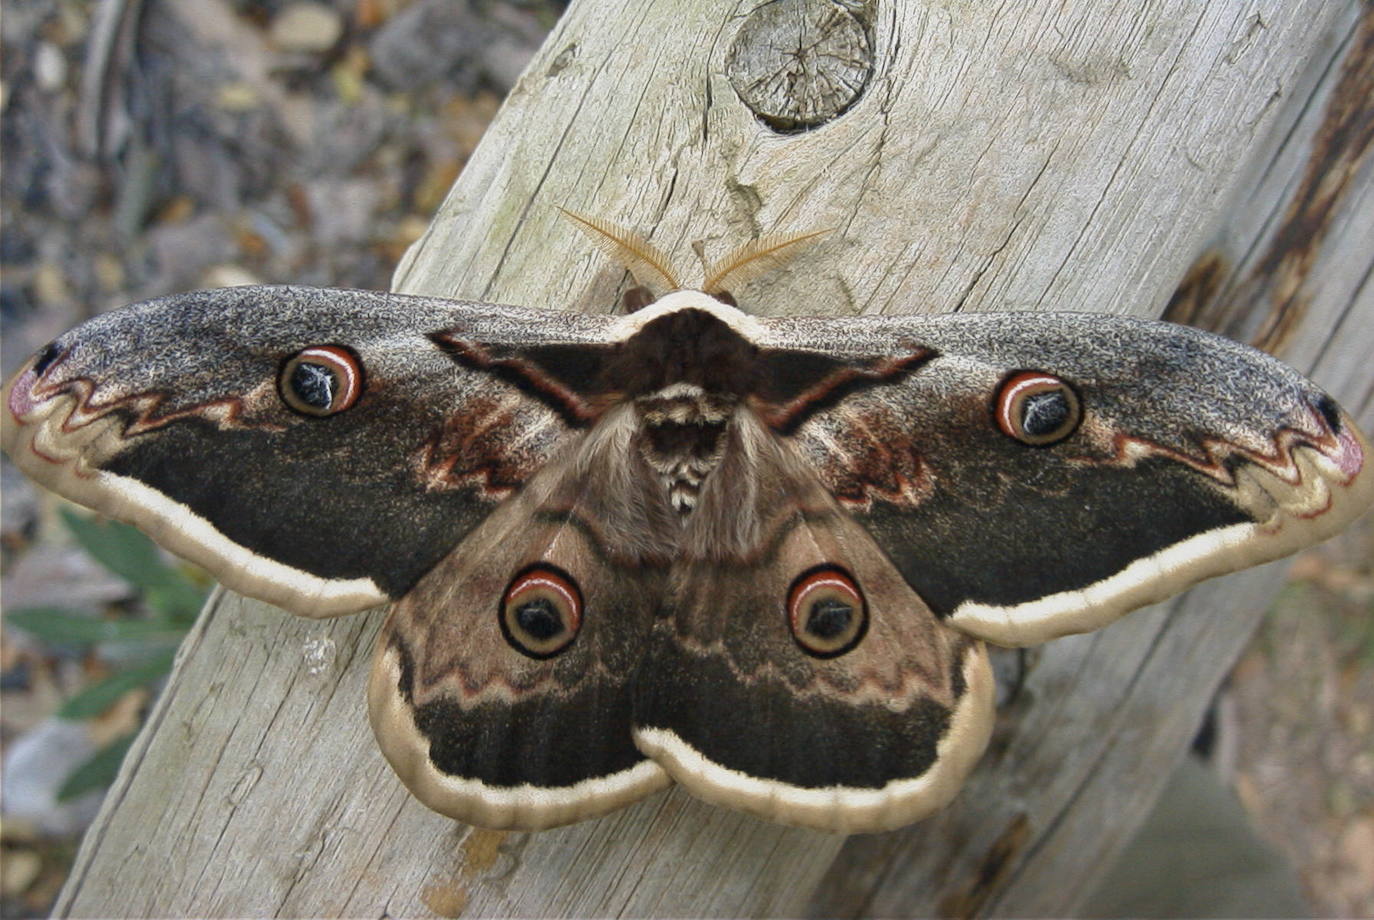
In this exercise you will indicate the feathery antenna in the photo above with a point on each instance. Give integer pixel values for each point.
(753, 259)
(627, 248)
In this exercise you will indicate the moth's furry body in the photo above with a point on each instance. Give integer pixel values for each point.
(682, 438)
(752, 555)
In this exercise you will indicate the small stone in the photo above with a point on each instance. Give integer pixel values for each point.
(179, 210)
(72, 25)
(466, 119)
(36, 764)
(109, 271)
(50, 285)
(53, 574)
(368, 14)
(345, 210)
(222, 276)
(19, 510)
(237, 97)
(410, 228)
(49, 67)
(438, 179)
(183, 251)
(348, 75)
(18, 871)
(311, 28)
(425, 40)
(1356, 854)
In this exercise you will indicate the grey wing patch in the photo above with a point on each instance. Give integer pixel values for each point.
(170, 414)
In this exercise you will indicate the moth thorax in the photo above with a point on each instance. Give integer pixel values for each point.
(681, 437)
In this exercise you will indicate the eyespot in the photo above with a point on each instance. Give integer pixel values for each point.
(826, 611)
(541, 611)
(1036, 408)
(321, 380)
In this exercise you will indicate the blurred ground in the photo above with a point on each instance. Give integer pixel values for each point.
(1303, 713)
(151, 146)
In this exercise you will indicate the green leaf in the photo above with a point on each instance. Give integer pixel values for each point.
(179, 602)
(121, 549)
(101, 695)
(98, 771)
(53, 624)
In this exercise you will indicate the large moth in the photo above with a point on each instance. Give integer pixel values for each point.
(756, 556)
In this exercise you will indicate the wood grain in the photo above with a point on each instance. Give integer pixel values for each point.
(1035, 156)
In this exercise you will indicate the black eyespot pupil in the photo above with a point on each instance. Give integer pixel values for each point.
(829, 619)
(313, 384)
(538, 618)
(1043, 414)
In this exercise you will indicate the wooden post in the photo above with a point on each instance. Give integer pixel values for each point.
(969, 157)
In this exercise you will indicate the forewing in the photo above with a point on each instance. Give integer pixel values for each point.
(1194, 456)
(170, 414)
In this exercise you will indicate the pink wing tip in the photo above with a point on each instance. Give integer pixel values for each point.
(21, 402)
(1350, 456)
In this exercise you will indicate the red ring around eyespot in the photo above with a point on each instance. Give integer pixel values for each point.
(345, 364)
(1016, 389)
(567, 601)
(825, 578)
(552, 581)
(341, 362)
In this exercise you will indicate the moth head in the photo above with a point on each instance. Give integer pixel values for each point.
(321, 380)
(826, 611)
(541, 611)
(1036, 408)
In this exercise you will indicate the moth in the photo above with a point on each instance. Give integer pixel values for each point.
(756, 556)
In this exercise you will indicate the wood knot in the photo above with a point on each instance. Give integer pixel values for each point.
(799, 63)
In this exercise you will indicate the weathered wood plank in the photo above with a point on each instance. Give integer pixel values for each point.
(1030, 157)
(1036, 821)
